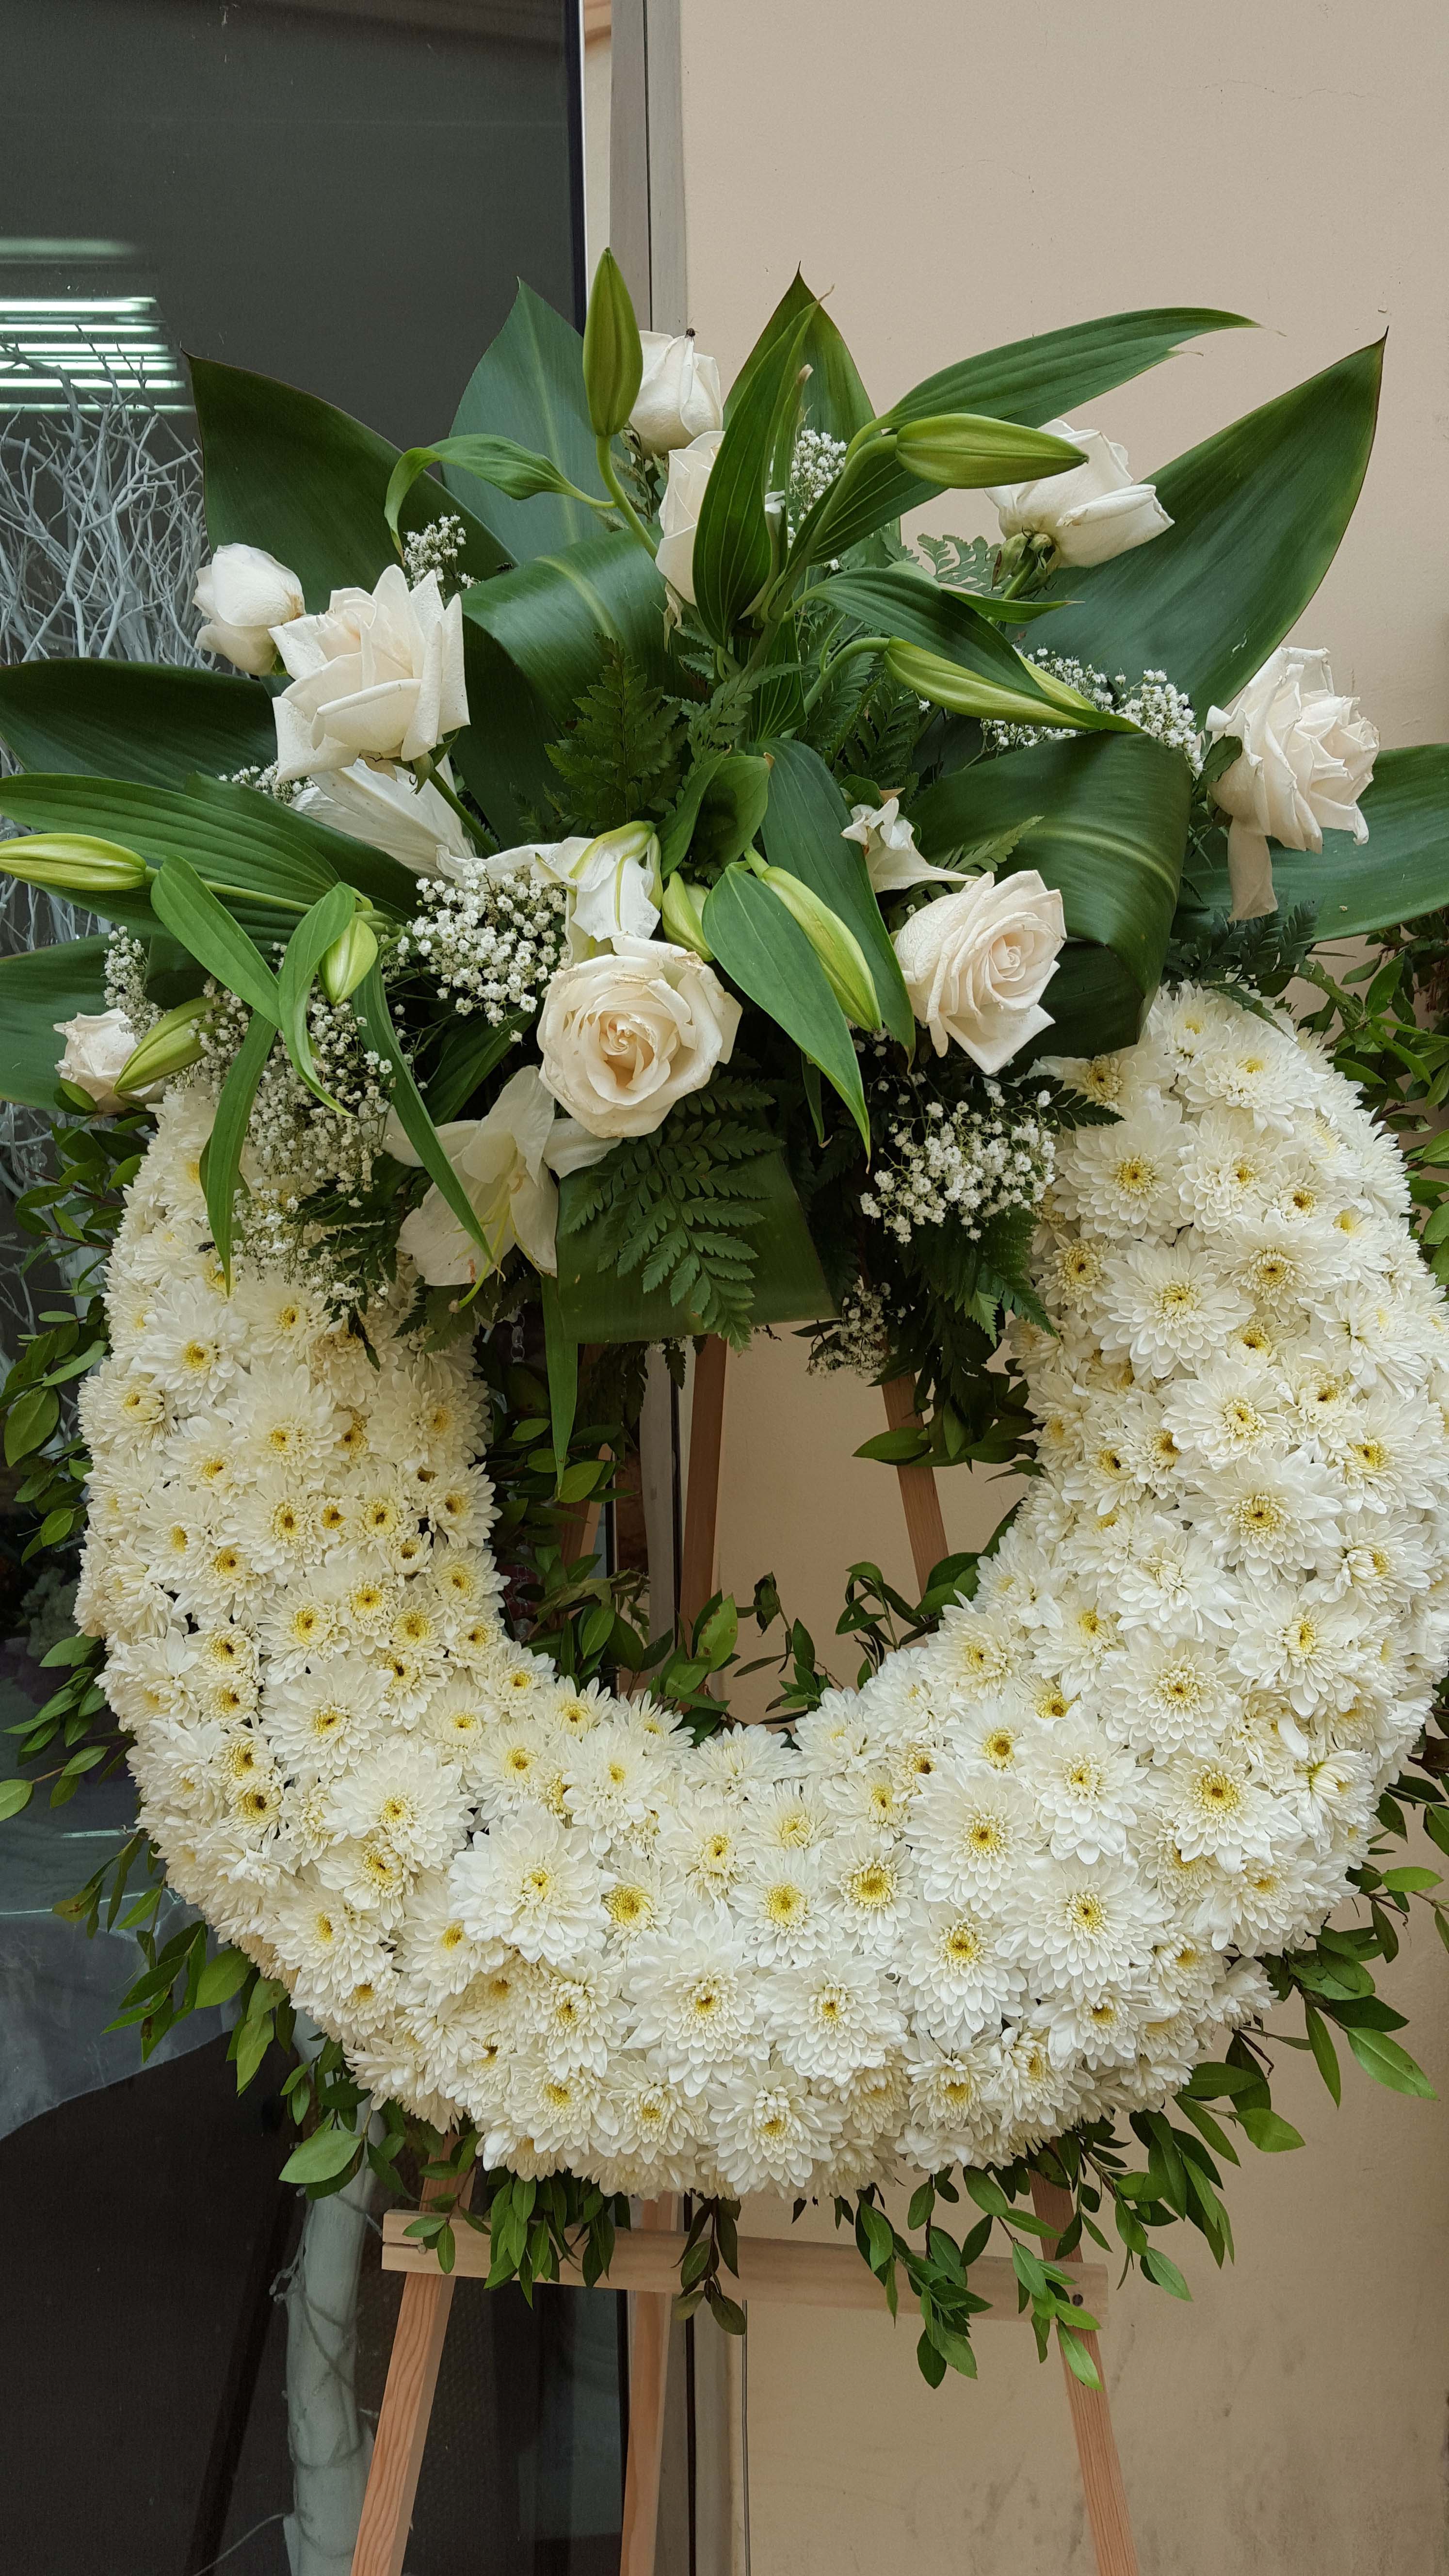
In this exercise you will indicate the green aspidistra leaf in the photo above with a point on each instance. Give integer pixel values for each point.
(1357, 887)
(767, 954)
(1258, 511)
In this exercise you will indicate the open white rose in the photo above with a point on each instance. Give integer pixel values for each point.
(892, 859)
(243, 593)
(1307, 757)
(377, 674)
(977, 963)
(1091, 513)
(97, 1044)
(624, 1036)
(679, 393)
(689, 472)
(387, 807)
(506, 1164)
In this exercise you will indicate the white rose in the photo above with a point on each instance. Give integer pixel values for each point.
(892, 859)
(243, 593)
(1307, 757)
(977, 963)
(624, 1036)
(387, 807)
(97, 1044)
(689, 471)
(506, 1163)
(1091, 513)
(378, 674)
(679, 395)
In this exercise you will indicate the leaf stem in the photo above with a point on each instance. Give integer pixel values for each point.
(621, 501)
(860, 644)
(428, 774)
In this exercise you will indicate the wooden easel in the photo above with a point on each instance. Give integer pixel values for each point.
(646, 2261)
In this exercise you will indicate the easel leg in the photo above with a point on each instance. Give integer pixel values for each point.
(402, 2425)
(648, 2387)
(1102, 2485)
(1106, 2496)
(649, 2342)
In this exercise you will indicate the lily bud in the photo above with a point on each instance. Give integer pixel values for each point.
(613, 351)
(965, 450)
(683, 913)
(837, 948)
(169, 1047)
(71, 863)
(965, 693)
(348, 959)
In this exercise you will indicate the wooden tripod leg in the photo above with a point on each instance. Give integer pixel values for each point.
(1106, 2496)
(1102, 2485)
(652, 2316)
(402, 2425)
(650, 2320)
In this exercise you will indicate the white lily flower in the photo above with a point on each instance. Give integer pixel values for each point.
(892, 859)
(506, 1162)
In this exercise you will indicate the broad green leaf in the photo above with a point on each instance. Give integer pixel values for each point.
(529, 386)
(222, 1152)
(533, 641)
(218, 944)
(195, 916)
(514, 470)
(722, 808)
(285, 471)
(29, 1422)
(1109, 832)
(602, 1304)
(900, 604)
(314, 935)
(221, 1977)
(370, 1004)
(1258, 512)
(141, 719)
(468, 1054)
(561, 1352)
(1036, 380)
(269, 864)
(803, 825)
(835, 399)
(1269, 2131)
(732, 544)
(329, 2150)
(36, 990)
(1388, 2063)
(766, 952)
(1400, 871)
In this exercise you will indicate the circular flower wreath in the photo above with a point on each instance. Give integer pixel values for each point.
(1016, 1882)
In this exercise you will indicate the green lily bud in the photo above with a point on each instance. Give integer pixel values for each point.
(169, 1047)
(348, 959)
(71, 863)
(837, 948)
(965, 693)
(966, 450)
(613, 351)
(683, 913)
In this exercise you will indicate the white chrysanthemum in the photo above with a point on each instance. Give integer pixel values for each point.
(327, 1719)
(772, 2128)
(973, 1831)
(1167, 1307)
(614, 1776)
(959, 1975)
(1173, 1692)
(832, 2020)
(1269, 1513)
(1123, 1179)
(696, 2003)
(531, 1882)
(1231, 1409)
(1080, 1924)
(1087, 1790)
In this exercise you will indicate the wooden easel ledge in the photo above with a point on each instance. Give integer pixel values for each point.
(771, 2268)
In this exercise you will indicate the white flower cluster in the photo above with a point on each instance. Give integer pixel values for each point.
(858, 1338)
(268, 782)
(1154, 703)
(435, 548)
(491, 939)
(126, 968)
(1020, 1880)
(967, 1164)
(814, 466)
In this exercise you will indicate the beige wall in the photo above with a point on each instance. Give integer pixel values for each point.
(961, 177)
